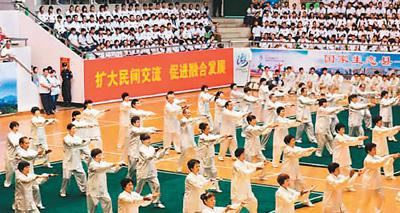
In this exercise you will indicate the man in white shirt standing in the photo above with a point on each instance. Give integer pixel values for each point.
(44, 91)
(372, 180)
(12, 144)
(241, 180)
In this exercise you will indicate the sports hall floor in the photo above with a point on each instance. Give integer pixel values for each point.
(313, 175)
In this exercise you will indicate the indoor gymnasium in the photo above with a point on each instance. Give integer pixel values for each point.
(199, 106)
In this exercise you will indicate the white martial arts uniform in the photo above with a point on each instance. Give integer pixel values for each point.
(171, 125)
(29, 155)
(372, 181)
(187, 139)
(322, 128)
(38, 133)
(195, 185)
(81, 128)
(130, 202)
(219, 106)
(93, 132)
(285, 199)
(252, 143)
(97, 190)
(124, 122)
(291, 165)
(386, 112)
(341, 152)
(241, 184)
(133, 147)
(203, 104)
(24, 201)
(12, 144)
(72, 164)
(236, 97)
(332, 100)
(379, 137)
(207, 209)
(280, 132)
(228, 127)
(304, 116)
(356, 113)
(147, 171)
(332, 201)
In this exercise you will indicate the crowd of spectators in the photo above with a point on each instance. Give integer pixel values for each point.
(355, 25)
(163, 27)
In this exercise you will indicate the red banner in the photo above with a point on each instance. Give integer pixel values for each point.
(106, 79)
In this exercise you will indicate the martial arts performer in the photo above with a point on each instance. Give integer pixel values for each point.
(12, 144)
(195, 185)
(280, 132)
(129, 201)
(241, 180)
(38, 133)
(134, 132)
(341, 150)
(322, 126)
(72, 164)
(286, 197)
(97, 191)
(91, 116)
(146, 168)
(371, 184)
(386, 105)
(303, 115)
(380, 133)
(203, 104)
(291, 165)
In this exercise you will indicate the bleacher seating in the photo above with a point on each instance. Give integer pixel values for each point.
(133, 29)
(354, 25)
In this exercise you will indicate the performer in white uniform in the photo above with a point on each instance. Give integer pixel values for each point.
(228, 127)
(24, 182)
(332, 201)
(134, 132)
(24, 153)
(322, 126)
(81, 127)
(372, 191)
(195, 185)
(303, 115)
(171, 122)
(341, 151)
(236, 96)
(97, 191)
(12, 144)
(219, 106)
(129, 201)
(91, 115)
(135, 111)
(203, 104)
(252, 143)
(386, 110)
(280, 132)
(72, 164)
(206, 151)
(356, 112)
(241, 180)
(124, 122)
(380, 133)
(188, 145)
(286, 197)
(291, 165)
(38, 132)
(146, 168)
(208, 199)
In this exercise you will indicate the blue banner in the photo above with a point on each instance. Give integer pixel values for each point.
(344, 61)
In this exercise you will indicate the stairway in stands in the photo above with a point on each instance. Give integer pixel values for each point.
(233, 29)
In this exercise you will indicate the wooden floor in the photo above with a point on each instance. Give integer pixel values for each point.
(109, 128)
